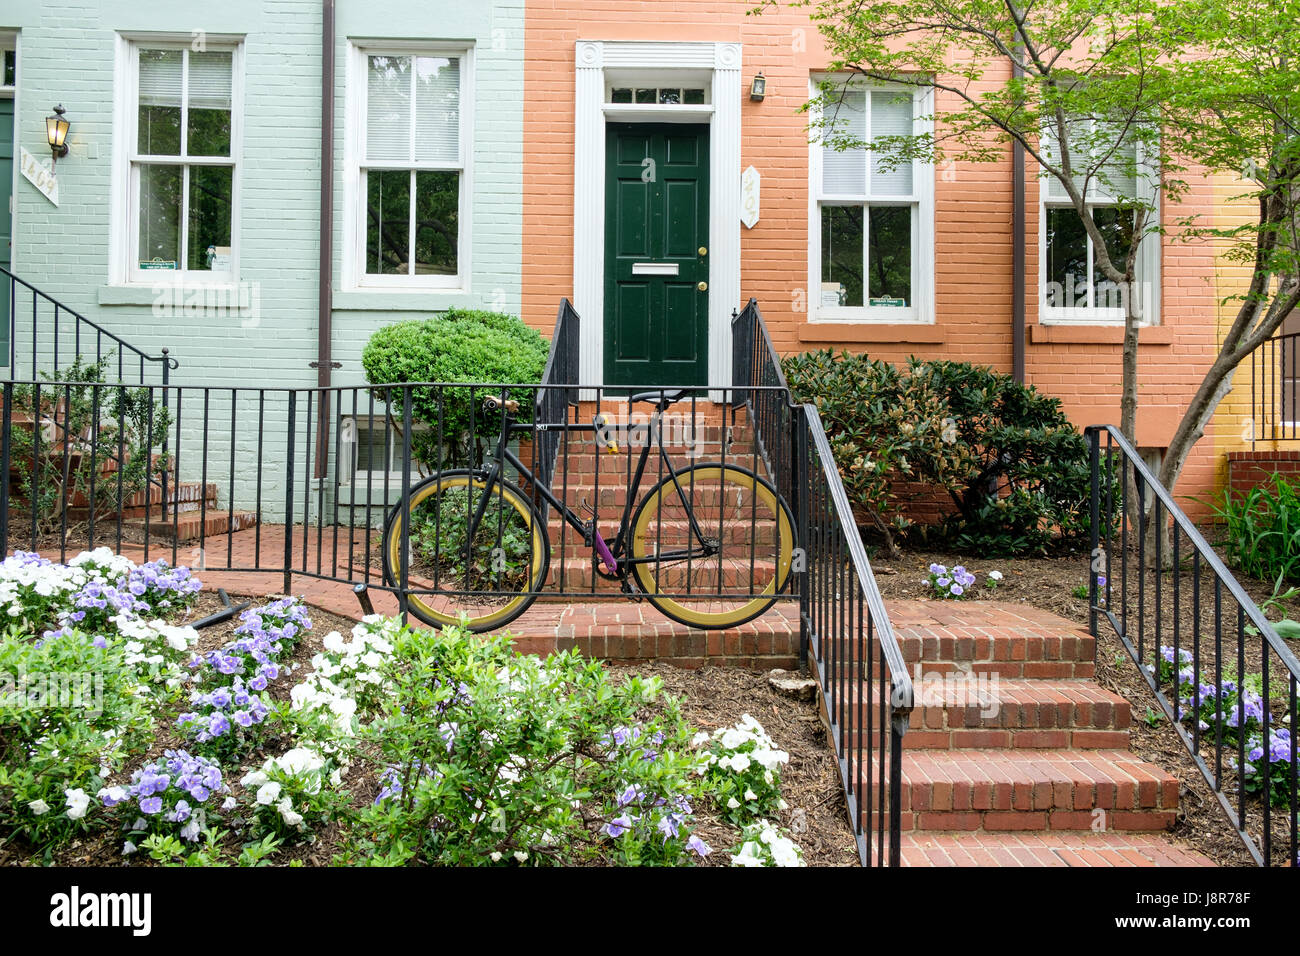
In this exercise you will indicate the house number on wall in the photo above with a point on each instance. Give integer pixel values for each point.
(749, 197)
(41, 175)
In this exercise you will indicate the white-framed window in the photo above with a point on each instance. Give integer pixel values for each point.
(1072, 288)
(871, 225)
(180, 129)
(370, 450)
(410, 139)
(8, 64)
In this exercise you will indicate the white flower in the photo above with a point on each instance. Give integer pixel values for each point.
(750, 795)
(740, 763)
(995, 575)
(288, 814)
(191, 830)
(700, 739)
(521, 856)
(732, 803)
(496, 857)
(128, 848)
(267, 793)
(751, 854)
(334, 642)
(39, 807)
(78, 801)
(254, 778)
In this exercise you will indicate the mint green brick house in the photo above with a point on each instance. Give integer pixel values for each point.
(191, 211)
(189, 204)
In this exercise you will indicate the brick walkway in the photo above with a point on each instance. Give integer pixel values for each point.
(612, 628)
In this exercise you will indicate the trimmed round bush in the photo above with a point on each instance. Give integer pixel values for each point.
(459, 346)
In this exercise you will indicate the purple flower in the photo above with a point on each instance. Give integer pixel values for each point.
(618, 826)
(698, 846)
(151, 805)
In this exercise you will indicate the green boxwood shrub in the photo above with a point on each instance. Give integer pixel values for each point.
(461, 345)
(1014, 467)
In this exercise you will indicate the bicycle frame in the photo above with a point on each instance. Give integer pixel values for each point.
(614, 558)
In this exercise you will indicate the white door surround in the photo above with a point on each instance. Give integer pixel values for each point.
(720, 61)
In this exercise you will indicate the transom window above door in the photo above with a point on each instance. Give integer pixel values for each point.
(659, 95)
(409, 153)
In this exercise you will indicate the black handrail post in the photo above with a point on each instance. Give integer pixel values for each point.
(800, 507)
(5, 452)
(897, 726)
(1094, 532)
(166, 429)
(288, 492)
(404, 560)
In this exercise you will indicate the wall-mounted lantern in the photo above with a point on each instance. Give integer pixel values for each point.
(758, 89)
(56, 131)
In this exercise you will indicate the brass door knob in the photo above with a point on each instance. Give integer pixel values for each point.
(702, 286)
(704, 251)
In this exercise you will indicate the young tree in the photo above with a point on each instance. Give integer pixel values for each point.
(1115, 100)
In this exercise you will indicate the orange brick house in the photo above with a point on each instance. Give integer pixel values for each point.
(612, 87)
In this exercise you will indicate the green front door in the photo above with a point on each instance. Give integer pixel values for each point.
(6, 218)
(656, 254)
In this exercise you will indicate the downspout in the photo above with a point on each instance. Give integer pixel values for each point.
(324, 363)
(1017, 248)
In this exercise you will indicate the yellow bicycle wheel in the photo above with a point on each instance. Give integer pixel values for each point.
(485, 585)
(728, 566)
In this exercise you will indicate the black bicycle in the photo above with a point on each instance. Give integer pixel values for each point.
(709, 545)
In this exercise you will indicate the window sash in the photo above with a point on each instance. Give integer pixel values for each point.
(873, 97)
(136, 160)
(361, 165)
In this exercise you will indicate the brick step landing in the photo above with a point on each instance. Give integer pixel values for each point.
(1046, 849)
(1035, 790)
(1017, 713)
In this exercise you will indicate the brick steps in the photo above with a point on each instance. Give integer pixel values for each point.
(1035, 790)
(1016, 713)
(1046, 849)
(1015, 756)
(189, 526)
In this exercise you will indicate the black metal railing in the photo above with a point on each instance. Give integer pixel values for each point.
(1275, 389)
(755, 364)
(46, 338)
(553, 404)
(1217, 667)
(845, 632)
(226, 477)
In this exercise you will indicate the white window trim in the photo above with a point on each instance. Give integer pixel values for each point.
(1147, 273)
(9, 44)
(922, 309)
(353, 274)
(123, 267)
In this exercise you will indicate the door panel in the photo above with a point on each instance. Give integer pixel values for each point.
(6, 219)
(656, 222)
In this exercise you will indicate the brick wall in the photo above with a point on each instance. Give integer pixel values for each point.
(973, 227)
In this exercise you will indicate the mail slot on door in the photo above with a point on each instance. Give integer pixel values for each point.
(655, 268)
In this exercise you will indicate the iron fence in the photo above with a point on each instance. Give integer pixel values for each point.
(1218, 669)
(1275, 389)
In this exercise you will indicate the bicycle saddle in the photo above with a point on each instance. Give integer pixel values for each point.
(663, 397)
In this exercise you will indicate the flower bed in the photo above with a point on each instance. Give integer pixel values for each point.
(384, 746)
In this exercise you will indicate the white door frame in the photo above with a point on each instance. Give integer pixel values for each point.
(722, 62)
